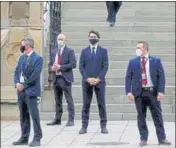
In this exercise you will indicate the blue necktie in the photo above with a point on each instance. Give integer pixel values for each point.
(93, 53)
(25, 62)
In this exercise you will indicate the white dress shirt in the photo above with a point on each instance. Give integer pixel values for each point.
(21, 76)
(94, 49)
(147, 67)
(56, 58)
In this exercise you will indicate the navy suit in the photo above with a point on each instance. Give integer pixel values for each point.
(27, 99)
(63, 83)
(143, 98)
(96, 67)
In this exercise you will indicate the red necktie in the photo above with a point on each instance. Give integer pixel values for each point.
(59, 56)
(143, 69)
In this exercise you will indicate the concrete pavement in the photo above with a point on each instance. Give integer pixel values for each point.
(122, 134)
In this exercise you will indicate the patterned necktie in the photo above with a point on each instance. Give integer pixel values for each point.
(143, 69)
(59, 56)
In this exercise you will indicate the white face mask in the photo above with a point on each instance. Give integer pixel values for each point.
(60, 43)
(138, 52)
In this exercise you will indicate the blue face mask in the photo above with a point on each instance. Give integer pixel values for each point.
(60, 43)
(93, 41)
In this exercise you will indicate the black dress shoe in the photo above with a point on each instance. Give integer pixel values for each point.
(143, 143)
(83, 131)
(111, 24)
(70, 123)
(34, 143)
(54, 122)
(104, 130)
(164, 142)
(21, 141)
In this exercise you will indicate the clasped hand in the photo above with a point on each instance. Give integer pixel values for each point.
(56, 67)
(93, 81)
(20, 87)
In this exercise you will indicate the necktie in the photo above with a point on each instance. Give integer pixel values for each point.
(143, 69)
(93, 63)
(93, 52)
(59, 56)
(26, 60)
(25, 63)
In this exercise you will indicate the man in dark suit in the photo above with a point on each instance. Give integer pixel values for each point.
(93, 67)
(62, 63)
(112, 9)
(145, 83)
(27, 82)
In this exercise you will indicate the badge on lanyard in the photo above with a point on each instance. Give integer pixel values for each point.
(144, 76)
(21, 78)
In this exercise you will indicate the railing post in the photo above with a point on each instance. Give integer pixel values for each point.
(54, 30)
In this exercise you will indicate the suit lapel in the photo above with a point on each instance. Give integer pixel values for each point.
(29, 60)
(64, 51)
(89, 52)
(98, 51)
(150, 64)
(138, 60)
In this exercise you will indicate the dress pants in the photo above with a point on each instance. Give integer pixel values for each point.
(112, 8)
(87, 98)
(59, 87)
(148, 99)
(28, 106)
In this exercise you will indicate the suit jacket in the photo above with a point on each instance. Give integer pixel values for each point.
(97, 69)
(68, 63)
(134, 79)
(31, 73)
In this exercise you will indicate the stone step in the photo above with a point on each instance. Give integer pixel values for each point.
(133, 28)
(152, 36)
(122, 12)
(110, 99)
(122, 43)
(116, 108)
(121, 50)
(127, 5)
(121, 64)
(11, 112)
(116, 73)
(170, 81)
(121, 57)
(94, 18)
(98, 23)
(110, 90)
(110, 116)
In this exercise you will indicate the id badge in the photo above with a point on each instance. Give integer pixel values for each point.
(143, 76)
(21, 79)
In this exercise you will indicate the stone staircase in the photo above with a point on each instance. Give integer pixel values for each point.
(153, 22)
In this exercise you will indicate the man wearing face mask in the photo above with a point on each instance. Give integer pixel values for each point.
(145, 84)
(93, 67)
(27, 83)
(62, 63)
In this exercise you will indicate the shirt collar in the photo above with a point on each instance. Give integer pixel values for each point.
(62, 48)
(29, 54)
(93, 46)
(146, 56)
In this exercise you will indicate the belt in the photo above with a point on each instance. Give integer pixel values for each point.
(59, 76)
(148, 89)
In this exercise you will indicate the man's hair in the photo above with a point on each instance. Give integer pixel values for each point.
(145, 44)
(29, 41)
(95, 32)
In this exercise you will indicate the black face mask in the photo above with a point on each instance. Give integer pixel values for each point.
(22, 49)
